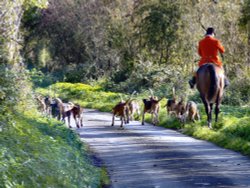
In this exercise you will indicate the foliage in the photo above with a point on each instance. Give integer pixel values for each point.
(127, 45)
(35, 3)
(158, 28)
(15, 89)
(38, 152)
(133, 45)
(238, 93)
(245, 13)
(35, 152)
(67, 37)
(39, 79)
(8, 94)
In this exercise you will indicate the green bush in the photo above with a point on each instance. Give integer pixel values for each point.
(39, 79)
(238, 93)
(86, 95)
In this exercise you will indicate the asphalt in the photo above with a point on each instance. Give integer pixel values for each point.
(154, 157)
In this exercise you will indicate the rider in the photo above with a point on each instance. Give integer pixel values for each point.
(208, 50)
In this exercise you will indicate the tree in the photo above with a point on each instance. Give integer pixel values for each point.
(158, 28)
(245, 22)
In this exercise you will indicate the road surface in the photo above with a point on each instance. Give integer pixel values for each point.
(153, 157)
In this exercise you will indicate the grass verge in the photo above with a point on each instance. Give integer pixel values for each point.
(39, 152)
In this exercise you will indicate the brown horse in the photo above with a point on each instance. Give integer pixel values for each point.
(210, 83)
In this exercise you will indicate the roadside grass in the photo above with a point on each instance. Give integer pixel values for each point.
(105, 182)
(232, 131)
(41, 152)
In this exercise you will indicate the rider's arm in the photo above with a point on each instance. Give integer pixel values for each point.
(222, 56)
(220, 47)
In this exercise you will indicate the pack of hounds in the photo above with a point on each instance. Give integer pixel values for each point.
(54, 107)
(179, 109)
(126, 110)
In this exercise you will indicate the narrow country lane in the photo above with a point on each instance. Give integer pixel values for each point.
(149, 156)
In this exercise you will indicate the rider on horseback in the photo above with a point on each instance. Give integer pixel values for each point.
(208, 50)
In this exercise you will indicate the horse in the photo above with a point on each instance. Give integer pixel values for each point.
(210, 84)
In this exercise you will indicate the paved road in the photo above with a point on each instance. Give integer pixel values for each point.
(154, 157)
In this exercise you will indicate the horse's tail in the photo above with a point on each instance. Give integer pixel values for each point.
(213, 82)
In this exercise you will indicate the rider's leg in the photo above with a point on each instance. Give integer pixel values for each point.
(226, 82)
(192, 82)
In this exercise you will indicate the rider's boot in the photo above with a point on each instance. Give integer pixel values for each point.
(192, 82)
(226, 82)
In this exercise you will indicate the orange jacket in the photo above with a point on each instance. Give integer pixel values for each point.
(208, 50)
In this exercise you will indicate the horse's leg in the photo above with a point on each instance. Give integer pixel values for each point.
(59, 116)
(211, 110)
(217, 108)
(132, 116)
(122, 119)
(193, 117)
(208, 111)
(126, 116)
(63, 117)
(198, 116)
(69, 120)
(76, 121)
(210, 115)
(153, 118)
(113, 120)
(157, 114)
(143, 114)
(81, 119)
(156, 118)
